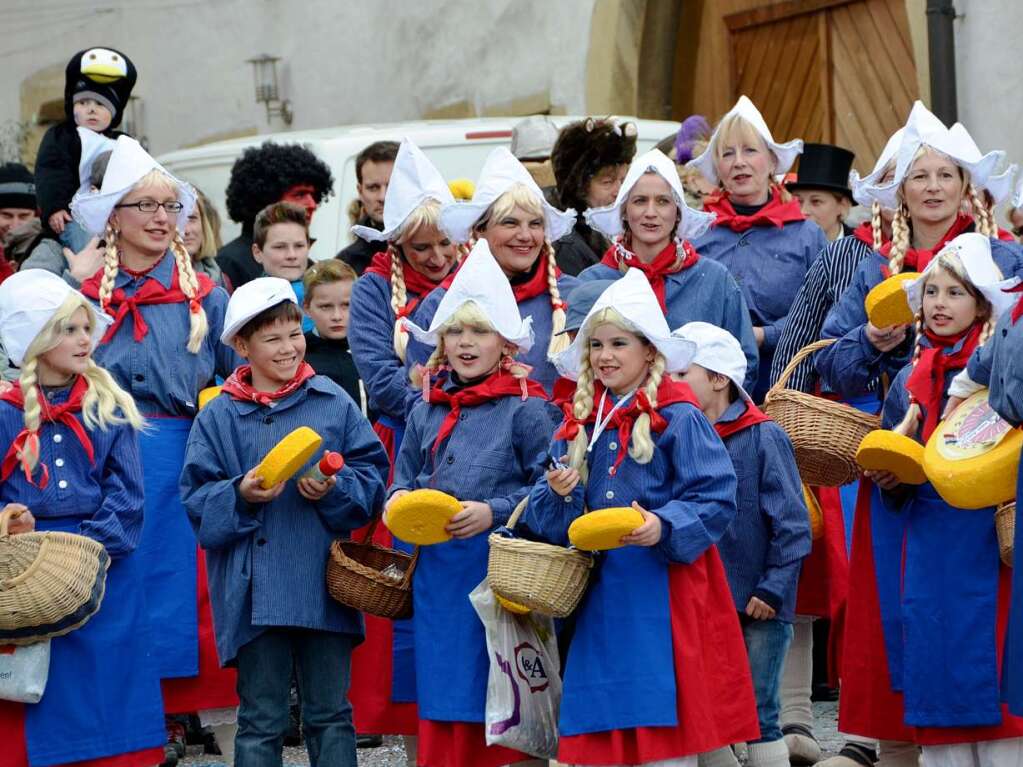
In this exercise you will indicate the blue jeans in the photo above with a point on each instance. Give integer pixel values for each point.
(322, 664)
(767, 643)
(74, 237)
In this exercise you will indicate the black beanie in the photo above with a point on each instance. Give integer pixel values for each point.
(17, 187)
(103, 74)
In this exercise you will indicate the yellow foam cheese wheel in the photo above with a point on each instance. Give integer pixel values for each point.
(512, 607)
(884, 450)
(816, 515)
(206, 395)
(420, 517)
(972, 458)
(288, 456)
(887, 304)
(603, 529)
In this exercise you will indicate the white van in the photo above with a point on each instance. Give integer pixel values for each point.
(457, 147)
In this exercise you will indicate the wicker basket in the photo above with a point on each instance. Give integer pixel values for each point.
(547, 579)
(1005, 526)
(50, 583)
(355, 576)
(824, 434)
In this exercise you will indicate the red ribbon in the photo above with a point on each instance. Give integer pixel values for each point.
(775, 213)
(239, 385)
(63, 413)
(666, 262)
(926, 383)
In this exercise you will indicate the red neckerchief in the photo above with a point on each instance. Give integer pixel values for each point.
(926, 383)
(865, 234)
(415, 282)
(536, 285)
(239, 384)
(151, 292)
(1017, 310)
(666, 262)
(751, 416)
(669, 392)
(63, 413)
(1005, 235)
(775, 213)
(916, 259)
(498, 385)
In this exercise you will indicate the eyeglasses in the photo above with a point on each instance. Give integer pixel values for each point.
(151, 206)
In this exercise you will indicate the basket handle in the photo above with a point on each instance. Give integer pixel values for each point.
(411, 569)
(798, 357)
(517, 512)
(5, 519)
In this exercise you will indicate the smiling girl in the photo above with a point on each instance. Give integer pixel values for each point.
(656, 672)
(481, 436)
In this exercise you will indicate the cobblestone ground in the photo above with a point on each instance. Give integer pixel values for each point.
(392, 754)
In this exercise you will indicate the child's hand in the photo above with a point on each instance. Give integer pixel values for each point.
(473, 519)
(883, 479)
(563, 481)
(22, 520)
(251, 488)
(313, 489)
(759, 610)
(87, 261)
(59, 220)
(886, 339)
(647, 534)
(394, 496)
(5, 386)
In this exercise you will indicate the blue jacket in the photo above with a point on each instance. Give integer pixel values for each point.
(998, 364)
(161, 375)
(266, 562)
(770, 264)
(849, 365)
(704, 292)
(371, 337)
(764, 547)
(538, 307)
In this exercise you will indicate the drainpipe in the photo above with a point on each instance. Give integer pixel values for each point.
(942, 59)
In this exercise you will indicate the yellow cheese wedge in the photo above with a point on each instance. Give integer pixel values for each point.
(288, 456)
(972, 458)
(816, 515)
(512, 607)
(420, 517)
(207, 395)
(886, 303)
(884, 450)
(603, 529)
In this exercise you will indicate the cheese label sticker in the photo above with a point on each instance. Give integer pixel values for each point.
(973, 430)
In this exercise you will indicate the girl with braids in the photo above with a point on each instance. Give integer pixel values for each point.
(651, 227)
(926, 631)
(72, 464)
(656, 672)
(416, 258)
(937, 171)
(760, 234)
(509, 211)
(162, 348)
(476, 394)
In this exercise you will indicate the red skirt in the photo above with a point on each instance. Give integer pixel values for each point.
(214, 687)
(868, 705)
(461, 744)
(824, 577)
(12, 741)
(714, 691)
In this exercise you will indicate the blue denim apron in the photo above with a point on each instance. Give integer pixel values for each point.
(1012, 665)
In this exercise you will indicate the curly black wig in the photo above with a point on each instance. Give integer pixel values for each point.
(264, 173)
(582, 149)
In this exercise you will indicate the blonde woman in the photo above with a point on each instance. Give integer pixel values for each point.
(202, 238)
(72, 464)
(162, 347)
(509, 211)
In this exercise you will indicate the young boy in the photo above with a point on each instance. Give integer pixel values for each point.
(763, 548)
(97, 85)
(327, 288)
(266, 549)
(280, 244)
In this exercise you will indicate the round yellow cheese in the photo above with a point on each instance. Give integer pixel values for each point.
(420, 517)
(884, 450)
(816, 515)
(886, 303)
(288, 456)
(207, 395)
(972, 458)
(512, 607)
(603, 529)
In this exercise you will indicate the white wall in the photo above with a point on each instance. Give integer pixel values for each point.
(345, 61)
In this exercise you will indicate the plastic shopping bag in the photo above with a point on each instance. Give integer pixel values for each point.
(524, 686)
(23, 671)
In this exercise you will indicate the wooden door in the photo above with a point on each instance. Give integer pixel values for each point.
(834, 71)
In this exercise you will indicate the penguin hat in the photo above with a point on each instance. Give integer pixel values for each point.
(103, 74)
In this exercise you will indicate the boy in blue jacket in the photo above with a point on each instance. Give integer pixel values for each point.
(267, 549)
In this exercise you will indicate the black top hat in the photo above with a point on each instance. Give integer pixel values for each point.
(824, 166)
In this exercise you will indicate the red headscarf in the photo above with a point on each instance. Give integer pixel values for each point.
(751, 416)
(775, 213)
(239, 385)
(415, 282)
(926, 383)
(917, 259)
(666, 262)
(534, 286)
